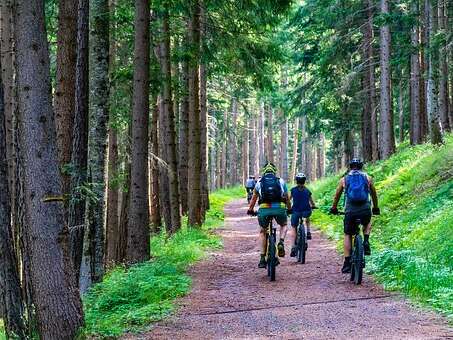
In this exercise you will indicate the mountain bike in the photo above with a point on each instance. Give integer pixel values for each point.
(271, 249)
(357, 254)
(249, 195)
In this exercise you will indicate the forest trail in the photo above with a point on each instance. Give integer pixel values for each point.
(233, 299)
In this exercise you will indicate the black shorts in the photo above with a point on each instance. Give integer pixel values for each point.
(351, 225)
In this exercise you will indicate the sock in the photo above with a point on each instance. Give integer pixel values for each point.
(282, 240)
(366, 237)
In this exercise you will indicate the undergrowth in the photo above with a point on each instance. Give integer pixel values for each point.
(412, 240)
(128, 300)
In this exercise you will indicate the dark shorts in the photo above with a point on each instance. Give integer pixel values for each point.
(279, 214)
(351, 227)
(296, 216)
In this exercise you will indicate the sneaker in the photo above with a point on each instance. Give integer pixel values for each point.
(346, 267)
(281, 249)
(366, 248)
(262, 263)
(308, 235)
(293, 252)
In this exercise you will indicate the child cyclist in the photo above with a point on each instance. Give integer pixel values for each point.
(301, 208)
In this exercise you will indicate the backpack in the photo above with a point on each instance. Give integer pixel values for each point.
(271, 190)
(357, 187)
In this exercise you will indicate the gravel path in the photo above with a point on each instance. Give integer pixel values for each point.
(233, 299)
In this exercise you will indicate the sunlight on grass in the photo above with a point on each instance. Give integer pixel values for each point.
(128, 300)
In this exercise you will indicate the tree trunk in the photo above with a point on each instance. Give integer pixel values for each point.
(270, 138)
(253, 146)
(284, 147)
(156, 218)
(443, 71)
(212, 154)
(223, 169)
(55, 297)
(295, 148)
(183, 138)
(386, 133)
(112, 167)
(7, 74)
(245, 154)
(121, 244)
(400, 111)
(320, 157)
(65, 84)
(92, 268)
(261, 146)
(79, 154)
(416, 122)
(11, 308)
(431, 99)
(169, 128)
(232, 133)
(204, 120)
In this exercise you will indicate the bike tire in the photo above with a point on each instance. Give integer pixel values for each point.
(272, 258)
(359, 259)
(301, 244)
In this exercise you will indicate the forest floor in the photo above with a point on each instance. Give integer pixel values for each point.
(233, 299)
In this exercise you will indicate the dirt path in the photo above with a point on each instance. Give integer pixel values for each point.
(233, 299)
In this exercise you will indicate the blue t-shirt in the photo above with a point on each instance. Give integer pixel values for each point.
(301, 199)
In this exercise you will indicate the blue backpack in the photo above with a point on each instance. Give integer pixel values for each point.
(357, 187)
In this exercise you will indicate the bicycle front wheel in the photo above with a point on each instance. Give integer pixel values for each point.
(301, 244)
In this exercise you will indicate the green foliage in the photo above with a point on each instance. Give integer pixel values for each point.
(412, 239)
(2, 331)
(129, 299)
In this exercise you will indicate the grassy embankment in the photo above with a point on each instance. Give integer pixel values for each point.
(412, 240)
(129, 300)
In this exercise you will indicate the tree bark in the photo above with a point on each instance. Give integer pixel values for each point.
(92, 268)
(416, 121)
(261, 146)
(11, 307)
(232, 134)
(169, 128)
(79, 156)
(386, 133)
(224, 166)
(183, 137)
(195, 203)
(431, 99)
(58, 306)
(295, 148)
(284, 147)
(65, 84)
(245, 154)
(443, 71)
(156, 218)
(400, 111)
(253, 146)
(270, 138)
(320, 157)
(137, 249)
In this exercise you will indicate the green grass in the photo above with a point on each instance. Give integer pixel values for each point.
(2, 331)
(129, 300)
(412, 240)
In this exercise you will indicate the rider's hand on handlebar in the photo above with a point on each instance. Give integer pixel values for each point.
(334, 211)
(376, 211)
(289, 211)
(251, 212)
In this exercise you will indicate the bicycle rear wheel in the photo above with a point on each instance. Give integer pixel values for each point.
(358, 260)
(271, 260)
(301, 244)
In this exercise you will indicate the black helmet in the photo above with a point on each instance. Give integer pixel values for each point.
(300, 178)
(356, 163)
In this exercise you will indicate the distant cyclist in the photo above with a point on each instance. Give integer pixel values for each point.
(357, 186)
(302, 205)
(250, 186)
(271, 193)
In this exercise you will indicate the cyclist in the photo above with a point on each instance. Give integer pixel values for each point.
(249, 186)
(271, 193)
(357, 186)
(302, 205)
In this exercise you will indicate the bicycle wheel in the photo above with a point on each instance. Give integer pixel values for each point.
(271, 258)
(301, 244)
(358, 259)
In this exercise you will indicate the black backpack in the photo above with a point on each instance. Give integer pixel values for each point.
(271, 190)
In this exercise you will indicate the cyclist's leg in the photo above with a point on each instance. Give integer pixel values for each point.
(282, 220)
(365, 220)
(295, 217)
(263, 219)
(349, 230)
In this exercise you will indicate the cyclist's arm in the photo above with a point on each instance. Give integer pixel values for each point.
(373, 194)
(338, 193)
(312, 203)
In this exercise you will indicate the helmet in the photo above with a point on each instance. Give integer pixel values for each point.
(300, 178)
(356, 163)
(269, 168)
